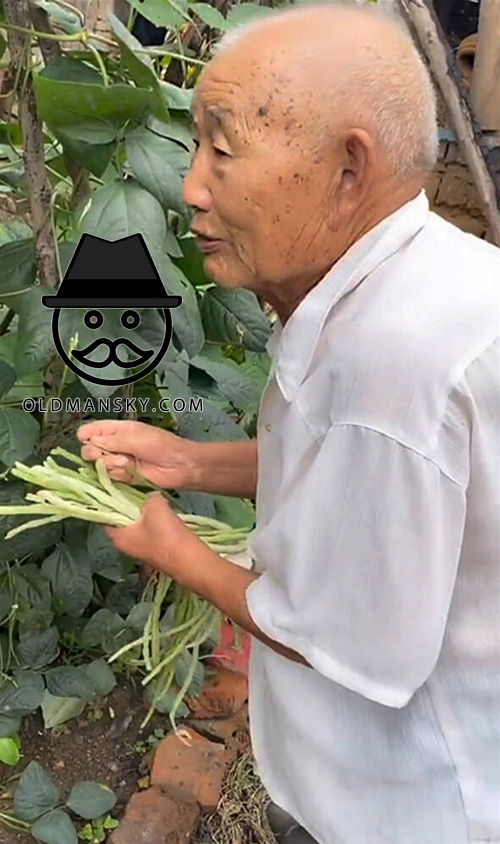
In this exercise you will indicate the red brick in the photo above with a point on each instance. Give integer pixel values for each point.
(221, 696)
(153, 817)
(192, 771)
(227, 654)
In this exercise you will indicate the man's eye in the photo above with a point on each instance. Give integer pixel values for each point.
(220, 152)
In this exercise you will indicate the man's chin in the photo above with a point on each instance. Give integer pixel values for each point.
(223, 276)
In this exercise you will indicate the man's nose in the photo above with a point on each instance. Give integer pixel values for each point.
(195, 190)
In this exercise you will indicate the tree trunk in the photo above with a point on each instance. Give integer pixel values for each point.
(485, 90)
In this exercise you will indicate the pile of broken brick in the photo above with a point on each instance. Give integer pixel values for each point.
(186, 771)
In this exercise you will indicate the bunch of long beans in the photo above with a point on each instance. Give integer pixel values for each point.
(87, 492)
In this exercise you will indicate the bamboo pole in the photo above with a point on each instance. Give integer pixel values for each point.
(485, 91)
(425, 26)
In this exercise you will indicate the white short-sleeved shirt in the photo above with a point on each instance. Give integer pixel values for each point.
(378, 544)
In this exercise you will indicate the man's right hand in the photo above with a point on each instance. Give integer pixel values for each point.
(162, 457)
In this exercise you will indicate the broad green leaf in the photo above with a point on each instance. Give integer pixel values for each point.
(95, 157)
(58, 710)
(71, 580)
(35, 794)
(70, 95)
(124, 595)
(55, 828)
(69, 681)
(138, 616)
(12, 492)
(39, 649)
(3, 46)
(234, 511)
(90, 800)
(9, 724)
(199, 503)
(191, 263)
(209, 15)
(18, 434)
(166, 13)
(179, 99)
(35, 345)
(17, 265)
(210, 425)
(159, 165)
(122, 208)
(22, 694)
(10, 133)
(177, 129)
(32, 587)
(100, 676)
(184, 667)
(35, 621)
(9, 751)
(106, 630)
(186, 319)
(257, 367)
(237, 387)
(105, 560)
(243, 13)
(234, 316)
(7, 377)
(164, 703)
(139, 66)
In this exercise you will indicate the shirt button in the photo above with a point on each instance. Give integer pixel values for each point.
(267, 427)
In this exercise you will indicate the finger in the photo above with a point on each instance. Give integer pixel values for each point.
(90, 452)
(101, 427)
(120, 436)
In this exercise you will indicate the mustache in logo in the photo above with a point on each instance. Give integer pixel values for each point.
(112, 356)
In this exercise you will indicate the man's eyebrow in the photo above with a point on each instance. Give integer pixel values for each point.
(221, 116)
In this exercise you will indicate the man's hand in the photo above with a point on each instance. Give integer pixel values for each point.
(162, 457)
(159, 538)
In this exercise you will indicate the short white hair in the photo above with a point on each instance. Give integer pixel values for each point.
(395, 92)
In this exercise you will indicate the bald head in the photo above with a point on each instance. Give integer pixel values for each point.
(340, 66)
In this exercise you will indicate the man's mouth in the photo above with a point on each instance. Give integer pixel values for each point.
(112, 356)
(206, 243)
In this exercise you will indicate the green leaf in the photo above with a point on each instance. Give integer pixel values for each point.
(191, 263)
(35, 621)
(234, 511)
(167, 13)
(177, 129)
(92, 156)
(177, 98)
(100, 676)
(12, 492)
(209, 15)
(71, 580)
(183, 667)
(9, 724)
(18, 435)
(22, 694)
(55, 828)
(199, 503)
(35, 794)
(33, 588)
(58, 710)
(70, 96)
(234, 316)
(39, 649)
(65, 19)
(17, 265)
(9, 752)
(186, 319)
(124, 595)
(237, 387)
(105, 560)
(35, 345)
(90, 800)
(7, 377)
(122, 208)
(138, 616)
(69, 681)
(159, 165)
(3, 46)
(10, 133)
(140, 67)
(164, 703)
(243, 13)
(106, 630)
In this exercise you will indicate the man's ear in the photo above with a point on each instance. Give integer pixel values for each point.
(359, 165)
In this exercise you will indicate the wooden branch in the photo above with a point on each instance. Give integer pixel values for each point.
(426, 29)
(17, 13)
(52, 50)
(485, 92)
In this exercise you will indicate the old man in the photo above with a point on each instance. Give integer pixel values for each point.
(375, 598)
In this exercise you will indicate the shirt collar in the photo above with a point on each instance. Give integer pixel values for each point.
(291, 347)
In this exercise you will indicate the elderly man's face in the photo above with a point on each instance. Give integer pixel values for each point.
(260, 193)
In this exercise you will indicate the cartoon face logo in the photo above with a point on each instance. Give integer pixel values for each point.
(106, 315)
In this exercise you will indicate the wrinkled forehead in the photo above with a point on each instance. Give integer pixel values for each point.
(227, 91)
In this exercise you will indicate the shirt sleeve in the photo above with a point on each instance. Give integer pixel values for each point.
(365, 558)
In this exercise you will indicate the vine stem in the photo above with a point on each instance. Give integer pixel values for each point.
(49, 36)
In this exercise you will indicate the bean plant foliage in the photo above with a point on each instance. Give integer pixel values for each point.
(116, 146)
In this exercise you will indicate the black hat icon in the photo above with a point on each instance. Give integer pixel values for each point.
(93, 277)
